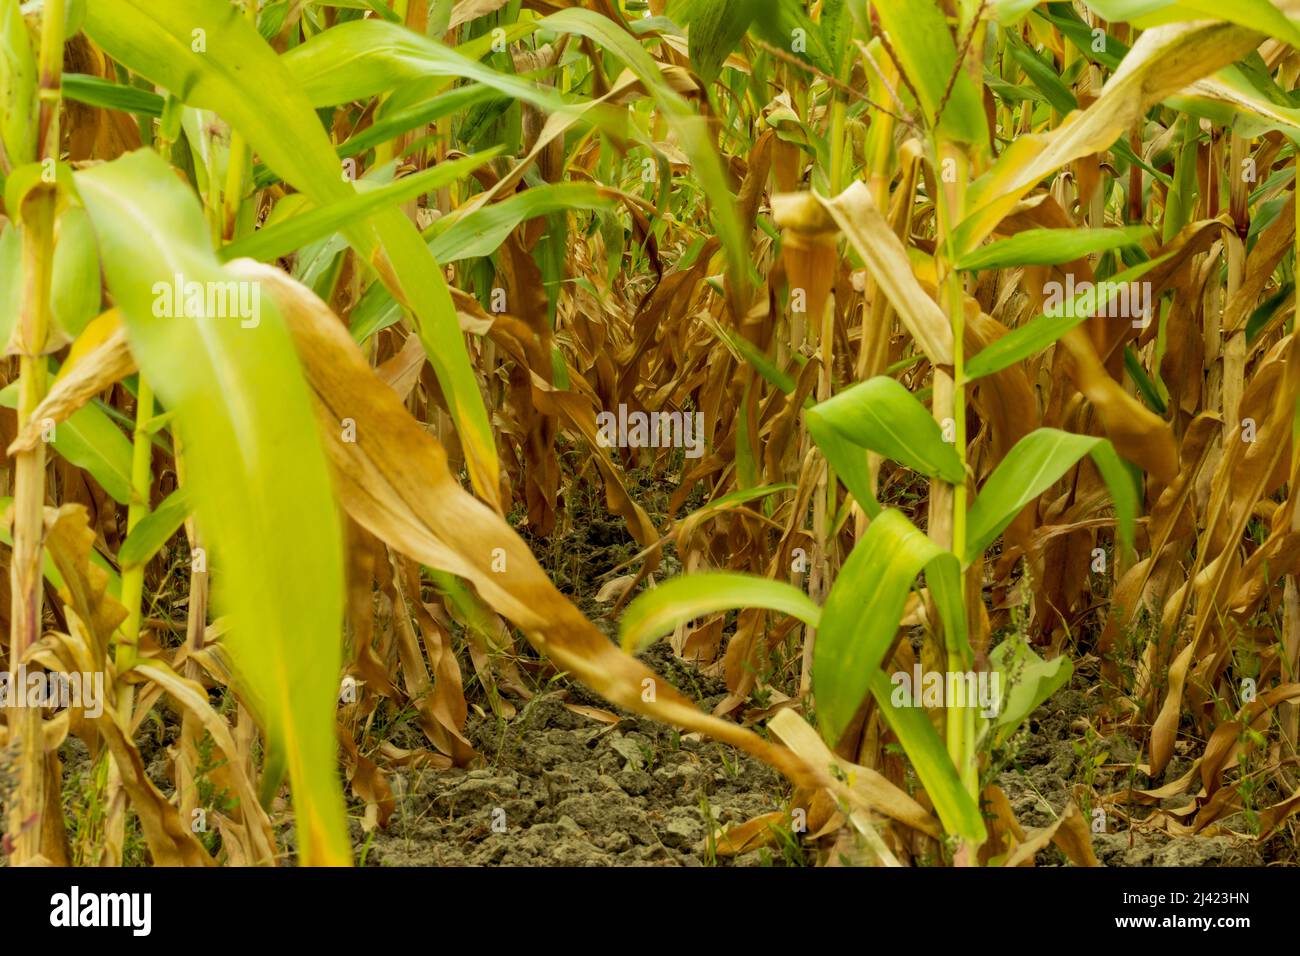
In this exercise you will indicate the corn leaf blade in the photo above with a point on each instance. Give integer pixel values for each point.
(258, 474)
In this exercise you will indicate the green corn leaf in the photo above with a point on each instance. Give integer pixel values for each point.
(479, 232)
(785, 24)
(1264, 313)
(156, 528)
(294, 233)
(1027, 681)
(1145, 386)
(89, 439)
(391, 124)
(1231, 99)
(75, 284)
(744, 349)
(881, 415)
(157, 39)
(678, 600)
(1260, 15)
(1108, 52)
(714, 29)
(850, 464)
(11, 283)
(359, 58)
(17, 86)
(1040, 332)
(261, 487)
(1036, 463)
(97, 91)
(1008, 12)
(1042, 75)
(858, 625)
(920, 36)
(735, 499)
(1044, 247)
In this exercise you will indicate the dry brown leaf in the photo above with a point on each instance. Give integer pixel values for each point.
(85, 586)
(750, 835)
(869, 232)
(467, 10)
(1138, 434)
(872, 787)
(86, 375)
(595, 713)
(1069, 831)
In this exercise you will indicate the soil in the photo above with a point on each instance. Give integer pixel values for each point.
(1054, 761)
(576, 792)
(564, 789)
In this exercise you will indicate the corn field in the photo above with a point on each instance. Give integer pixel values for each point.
(723, 432)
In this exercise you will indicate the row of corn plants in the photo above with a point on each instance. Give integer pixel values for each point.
(985, 311)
